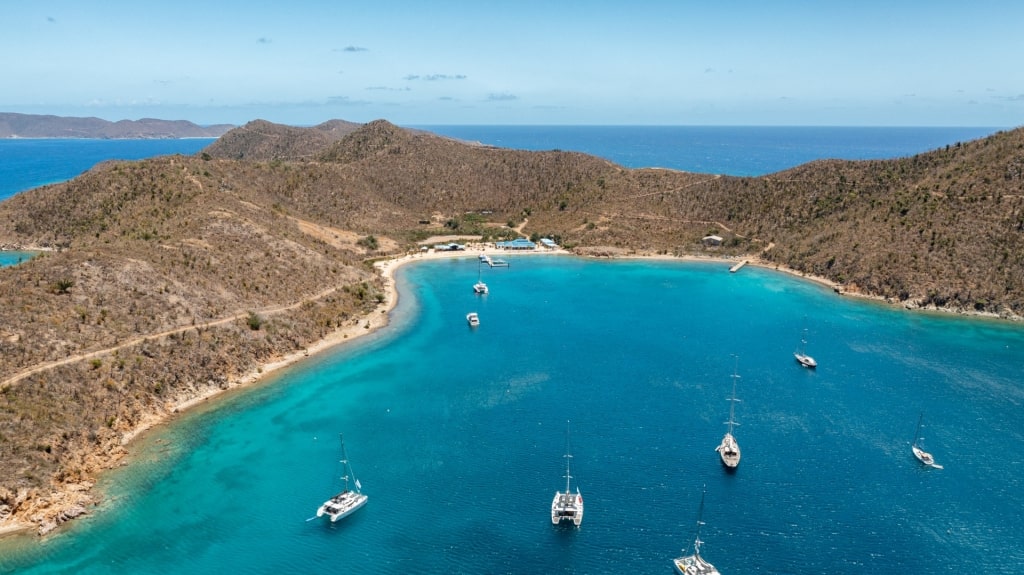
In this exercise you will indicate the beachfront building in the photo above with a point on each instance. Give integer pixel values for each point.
(452, 247)
(516, 244)
(548, 243)
(712, 240)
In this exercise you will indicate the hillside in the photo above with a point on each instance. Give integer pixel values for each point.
(42, 126)
(262, 140)
(169, 278)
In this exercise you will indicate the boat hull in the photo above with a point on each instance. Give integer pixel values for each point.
(342, 505)
(729, 452)
(923, 456)
(567, 507)
(805, 360)
(694, 565)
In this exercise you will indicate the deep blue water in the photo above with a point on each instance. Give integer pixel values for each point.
(25, 164)
(732, 150)
(458, 436)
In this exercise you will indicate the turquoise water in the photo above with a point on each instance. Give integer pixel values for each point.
(457, 436)
(14, 258)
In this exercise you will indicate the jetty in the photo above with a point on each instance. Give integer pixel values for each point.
(494, 263)
(737, 267)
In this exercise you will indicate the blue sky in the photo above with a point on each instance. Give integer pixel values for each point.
(724, 62)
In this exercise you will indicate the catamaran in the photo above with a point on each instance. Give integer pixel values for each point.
(801, 355)
(695, 564)
(922, 455)
(567, 506)
(346, 502)
(479, 287)
(729, 450)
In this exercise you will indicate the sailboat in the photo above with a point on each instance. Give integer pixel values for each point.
(567, 506)
(922, 455)
(695, 564)
(801, 355)
(479, 287)
(729, 450)
(345, 502)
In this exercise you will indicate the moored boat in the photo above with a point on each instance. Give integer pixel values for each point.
(695, 564)
(729, 449)
(567, 506)
(918, 451)
(479, 287)
(801, 354)
(347, 501)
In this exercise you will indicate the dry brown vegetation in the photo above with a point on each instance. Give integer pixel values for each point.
(171, 276)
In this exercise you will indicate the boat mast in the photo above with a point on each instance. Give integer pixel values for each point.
(344, 461)
(733, 400)
(700, 514)
(568, 456)
(803, 338)
(917, 432)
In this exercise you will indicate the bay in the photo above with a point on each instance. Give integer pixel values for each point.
(457, 436)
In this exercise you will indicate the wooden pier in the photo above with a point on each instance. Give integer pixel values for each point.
(737, 267)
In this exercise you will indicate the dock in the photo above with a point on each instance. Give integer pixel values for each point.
(494, 263)
(737, 267)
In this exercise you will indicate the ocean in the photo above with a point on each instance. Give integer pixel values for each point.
(29, 163)
(458, 435)
(729, 150)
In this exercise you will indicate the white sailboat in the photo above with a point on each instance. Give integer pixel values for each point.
(472, 319)
(567, 506)
(695, 564)
(919, 452)
(729, 450)
(801, 355)
(347, 501)
(479, 287)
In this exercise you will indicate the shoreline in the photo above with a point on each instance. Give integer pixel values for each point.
(47, 517)
(376, 319)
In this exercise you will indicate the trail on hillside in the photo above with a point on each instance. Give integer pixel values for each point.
(142, 338)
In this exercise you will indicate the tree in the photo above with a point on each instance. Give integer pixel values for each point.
(369, 242)
(62, 286)
(254, 321)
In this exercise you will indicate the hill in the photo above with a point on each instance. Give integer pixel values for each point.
(172, 278)
(40, 126)
(262, 140)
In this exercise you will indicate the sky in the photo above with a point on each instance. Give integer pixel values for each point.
(523, 62)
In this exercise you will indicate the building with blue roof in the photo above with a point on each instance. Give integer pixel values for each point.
(516, 244)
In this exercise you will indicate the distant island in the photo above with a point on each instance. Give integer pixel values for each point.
(39, 126)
